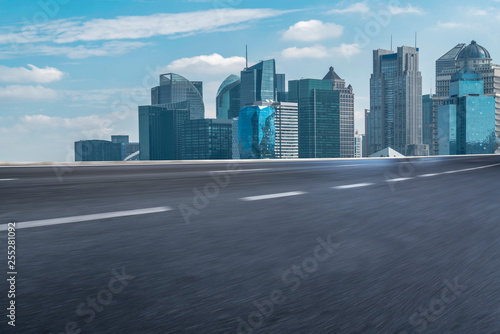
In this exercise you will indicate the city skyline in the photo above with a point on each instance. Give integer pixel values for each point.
(87, 83)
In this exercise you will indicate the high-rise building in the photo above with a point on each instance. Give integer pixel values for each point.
(319, 117)
(466, 121)
(286, 121)
(346, 113)
(358, 145)
(206, 139)
(228, 98)
(97, 150)
(159, 130)
(427, 120)
(258, 83)
(472, 58)
(396, 102)
(174, 88)
(256, 132)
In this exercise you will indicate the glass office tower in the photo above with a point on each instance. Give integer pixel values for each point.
(258, 83)
(159, 131)
(256, 133)
(174, 88)
(319, 117)
(228, 98)
(206, 139)
(466, 121)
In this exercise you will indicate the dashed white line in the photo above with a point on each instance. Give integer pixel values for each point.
(429, 175)
(401, 179)
(8, 179)
(351, 186)
(236, 171)
(270, 196)
(77, 219)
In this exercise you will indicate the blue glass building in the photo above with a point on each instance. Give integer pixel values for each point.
(258, 83)
(97, 150)
(228, 98)
(466, 121)
(256, 133)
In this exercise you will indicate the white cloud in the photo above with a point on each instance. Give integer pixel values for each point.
(452, 25)
(409, 9)
(135, 27)
(33, 74)
(317, 51)
(112, 48)
(207, 64)
(359, 7)
(313, 30)
(21, 93)
(347, 50)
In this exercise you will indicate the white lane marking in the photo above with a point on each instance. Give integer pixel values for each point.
(76, 219)
(350, 186)
(8, 179)
(347, 166)
(239, 170)
(460, 170)
(401, 179)
(261, 197)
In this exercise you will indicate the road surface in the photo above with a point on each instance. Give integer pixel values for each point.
(345, 246)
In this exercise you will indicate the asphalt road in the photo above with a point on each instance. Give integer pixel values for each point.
(354, 246)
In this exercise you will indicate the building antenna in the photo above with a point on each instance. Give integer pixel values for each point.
(246, 55)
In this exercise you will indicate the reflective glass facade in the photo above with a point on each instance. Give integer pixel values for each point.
(466, 121)
(228, 98)
(319, 117)
(256, 133)
(175, 88)
(206, 139)
(258, 83)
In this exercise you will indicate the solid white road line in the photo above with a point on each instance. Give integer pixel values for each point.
(428, 175)
(236, 171)
(8, 179)
(400, 179)
(350, 186)
(459, 170)
(258, 198)
(76, 219)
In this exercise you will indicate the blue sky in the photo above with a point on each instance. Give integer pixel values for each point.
(72, 70)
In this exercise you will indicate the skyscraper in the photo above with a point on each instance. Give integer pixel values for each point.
(358, 145)
(472, 58)
(466, 121)
(174, 88)
(346, 113)
(206, 139)
(319, 117)
(256, 132)
(395, 118)
(228, 98)
(258, 83)
(159, 130)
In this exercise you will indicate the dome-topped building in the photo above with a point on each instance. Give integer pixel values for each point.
(474, 51)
